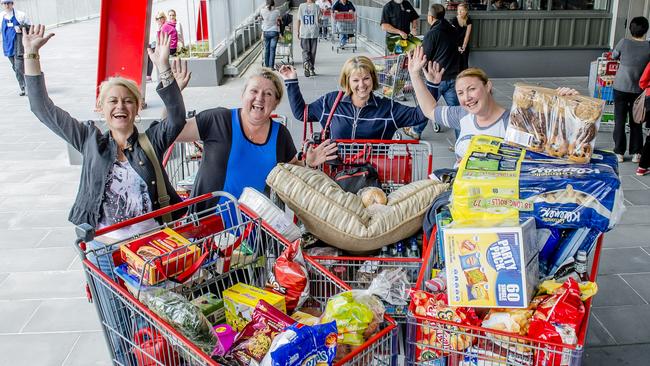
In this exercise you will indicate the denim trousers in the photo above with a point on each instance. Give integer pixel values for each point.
(270, 43)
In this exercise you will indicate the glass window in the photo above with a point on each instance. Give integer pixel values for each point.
(531, 4)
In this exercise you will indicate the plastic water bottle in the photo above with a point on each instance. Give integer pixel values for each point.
(393, 251)
(400, 249)
(384, 252)
(581, 265)
(413, 251)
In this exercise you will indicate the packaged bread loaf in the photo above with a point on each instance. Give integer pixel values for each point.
(560, 126)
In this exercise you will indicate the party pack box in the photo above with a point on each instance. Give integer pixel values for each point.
(240, 301)
(491, 266)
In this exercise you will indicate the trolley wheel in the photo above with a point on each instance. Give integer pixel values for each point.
(332, 48)
(436, 128)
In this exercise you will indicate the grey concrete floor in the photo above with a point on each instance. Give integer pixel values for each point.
(44, 316)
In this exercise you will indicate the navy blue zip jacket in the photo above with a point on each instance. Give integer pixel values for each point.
(379, 119)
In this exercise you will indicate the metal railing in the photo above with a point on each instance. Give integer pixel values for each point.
(58, 12)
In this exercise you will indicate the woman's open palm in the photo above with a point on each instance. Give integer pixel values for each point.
(35, 38)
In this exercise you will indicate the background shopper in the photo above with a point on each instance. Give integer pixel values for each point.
(634, 54)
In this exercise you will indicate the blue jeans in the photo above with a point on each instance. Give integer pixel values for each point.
(447, 90)
(270, 43)
(343, 38)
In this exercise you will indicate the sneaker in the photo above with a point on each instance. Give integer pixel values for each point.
(641, 171)
(305, 67)
(22, 93)
(619, 158)
(636, 158)
(410, 132)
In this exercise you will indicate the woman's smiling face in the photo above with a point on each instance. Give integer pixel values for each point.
(361, 83)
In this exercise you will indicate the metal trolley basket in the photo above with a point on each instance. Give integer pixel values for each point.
(451, 342)
(398, 162)
(393, 76)
(604, 89)
(137, 336)
(344, 24)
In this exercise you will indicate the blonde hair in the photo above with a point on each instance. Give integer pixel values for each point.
(130, 85)
(355, 64)
(463, 21)
(474, 72)
(161, 14)
(268, 74)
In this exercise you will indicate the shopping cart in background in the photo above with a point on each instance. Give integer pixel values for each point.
(344, 24)
(137, 336)
(284, 48)
(325, 31)
(433, 341)
(392, 75)
(181, 162)
(604, 89)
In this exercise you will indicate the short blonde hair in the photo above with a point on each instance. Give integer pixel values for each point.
(268, 74)
(130, 85)
(474, 72)
(355, 64)
(161, 14)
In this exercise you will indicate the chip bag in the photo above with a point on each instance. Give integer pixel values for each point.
(443, 338)
(557, 320)
(289, 277)
(254, 341)
(303, 345)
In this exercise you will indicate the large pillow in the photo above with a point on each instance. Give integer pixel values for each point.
(340, 219)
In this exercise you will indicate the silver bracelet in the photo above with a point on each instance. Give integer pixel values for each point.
(167, 77)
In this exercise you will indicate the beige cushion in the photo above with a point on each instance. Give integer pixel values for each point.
(340, 219)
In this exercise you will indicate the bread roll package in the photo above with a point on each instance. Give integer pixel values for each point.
(564, 127)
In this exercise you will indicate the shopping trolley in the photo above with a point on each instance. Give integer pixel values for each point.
(137, 336)
(489, 347)
(392, 75)
(181, 162)
(604, 89)
(325, 30)
(344, 24)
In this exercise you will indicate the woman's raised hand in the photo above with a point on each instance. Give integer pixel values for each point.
(288, 72)
(417, 60)
(35, 38)
(181, 74)
(160, 56)
(316, 156)
(433, 72)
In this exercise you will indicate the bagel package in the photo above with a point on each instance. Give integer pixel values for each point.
(560, 126)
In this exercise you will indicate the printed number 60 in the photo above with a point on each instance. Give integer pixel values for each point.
(513, 293)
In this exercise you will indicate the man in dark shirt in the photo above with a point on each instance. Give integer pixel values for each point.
(343, 6)
(398, 17)
(440, 46)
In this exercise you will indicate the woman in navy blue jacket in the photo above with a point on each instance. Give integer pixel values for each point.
(360, 114)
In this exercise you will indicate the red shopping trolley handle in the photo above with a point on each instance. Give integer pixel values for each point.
(159, 212)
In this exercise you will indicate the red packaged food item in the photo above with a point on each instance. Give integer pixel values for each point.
(434, 339)
(254, 341)
(557, 320)
(289, 277)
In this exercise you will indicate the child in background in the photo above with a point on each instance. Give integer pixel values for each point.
(308, 26)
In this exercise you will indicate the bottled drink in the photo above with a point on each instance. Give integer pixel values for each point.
(393, 250)
(581, 265)
(413, 250)
(400, 249)
(384, 252)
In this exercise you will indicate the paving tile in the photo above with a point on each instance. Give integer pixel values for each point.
(22, 147)
(61, 315)
(627, 324)
(596, 333)
(32, 156)
(62, 237)
(635, 215)
(625, 236)
(18, 203)
(7, 219)
(12, 188)
(638, 197)
(52, 146)
(639, 282)
(624, 260)
(42, 219)
(623, 355)
(15, 314)
(3, 276)
(21, 238)
(90, 350)
(14, 177)
(628, 182)
(613, 291)
(36, 349)
(36, 259)
(69, 175)
(43, 285)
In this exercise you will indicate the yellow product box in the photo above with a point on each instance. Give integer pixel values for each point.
(304, 318)
(159, 255)
(491, 266)
(240, 301)
(486, 188)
